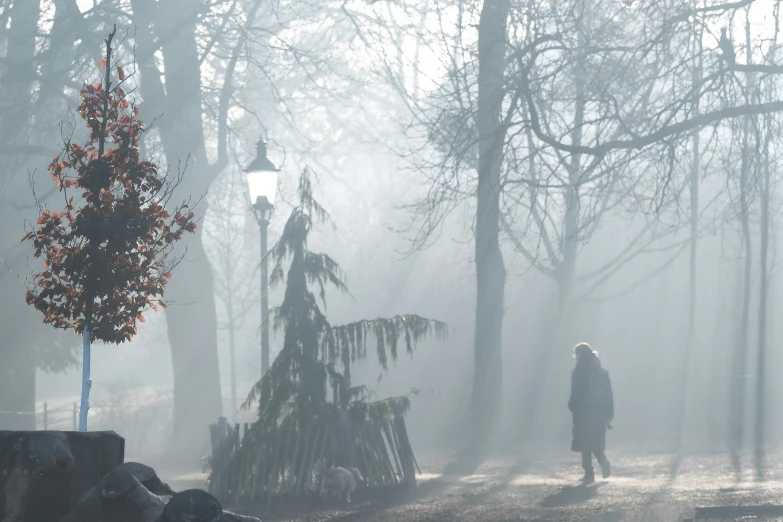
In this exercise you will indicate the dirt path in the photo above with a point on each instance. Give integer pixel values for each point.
(643, 488)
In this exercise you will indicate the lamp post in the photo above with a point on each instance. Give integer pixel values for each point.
(262, 185)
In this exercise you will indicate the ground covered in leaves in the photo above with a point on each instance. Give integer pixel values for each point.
(642, 488)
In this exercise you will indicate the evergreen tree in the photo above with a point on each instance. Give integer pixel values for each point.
(315, 354)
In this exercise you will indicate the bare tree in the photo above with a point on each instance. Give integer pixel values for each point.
(660, 91)
(31, 91)
(233, 265)
(739, 381)
(175, 29)
(490, 272)
(769, 127)
(18, 374)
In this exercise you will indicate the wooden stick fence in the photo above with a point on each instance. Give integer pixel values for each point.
(266, 465)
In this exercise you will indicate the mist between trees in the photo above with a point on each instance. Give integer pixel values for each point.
(533, 174)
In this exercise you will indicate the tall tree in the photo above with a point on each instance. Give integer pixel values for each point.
(17, 70)
(764, 135)
(693, 190)
(633, 115)
(764, 179)
(739, 381)
(233, 268)
(172, 27)
(490, 271)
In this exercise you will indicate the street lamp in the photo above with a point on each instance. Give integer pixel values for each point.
(262, 184)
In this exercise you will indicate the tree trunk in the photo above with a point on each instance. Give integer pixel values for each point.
(740, 356)
(682, 396)
(192, 328)
(716, 387)
(490, 271)
(86, 381)
(537, 372)
(17, 386)
(192, 317)
(565, 268)
(19, 324)
(192, 323)
(761, 357)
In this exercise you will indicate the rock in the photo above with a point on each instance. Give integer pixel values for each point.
(124, 499)
(147, 476)
(117, 484)
(123, 495)
(193, 505)
(96, 453)
(42, 473)
(119, 497)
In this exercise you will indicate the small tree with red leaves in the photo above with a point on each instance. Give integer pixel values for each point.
(108, 261)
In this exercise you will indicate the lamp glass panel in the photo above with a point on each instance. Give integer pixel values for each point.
(262, 183)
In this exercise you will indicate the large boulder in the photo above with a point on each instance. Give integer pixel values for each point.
(196, 505)
(192, 505)
(42, 473)
(119, 497)
(133, 492)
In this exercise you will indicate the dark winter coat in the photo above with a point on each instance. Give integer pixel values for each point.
(591, 404)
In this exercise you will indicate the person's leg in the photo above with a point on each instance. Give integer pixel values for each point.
(606, 469)
(587, 464)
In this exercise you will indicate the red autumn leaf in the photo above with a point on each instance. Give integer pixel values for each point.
(102, 63)
(121, 73)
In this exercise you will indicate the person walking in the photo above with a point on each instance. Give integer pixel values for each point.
(592, 410)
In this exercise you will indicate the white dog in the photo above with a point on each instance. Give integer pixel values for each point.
(337, 481)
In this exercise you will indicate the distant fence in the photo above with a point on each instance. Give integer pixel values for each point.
(142, 417)
(63, 416)
(60, 418)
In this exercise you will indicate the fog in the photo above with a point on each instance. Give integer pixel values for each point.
(637, 320)
(346, 95)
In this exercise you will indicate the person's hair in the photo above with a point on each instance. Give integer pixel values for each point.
(583, 348)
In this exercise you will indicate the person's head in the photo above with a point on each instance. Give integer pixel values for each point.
(582, 349)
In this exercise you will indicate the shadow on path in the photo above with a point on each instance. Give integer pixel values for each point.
(434, 493)
(674, 467)
(613, 516)
(477, 495)
(569, 495)
(465, 463)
